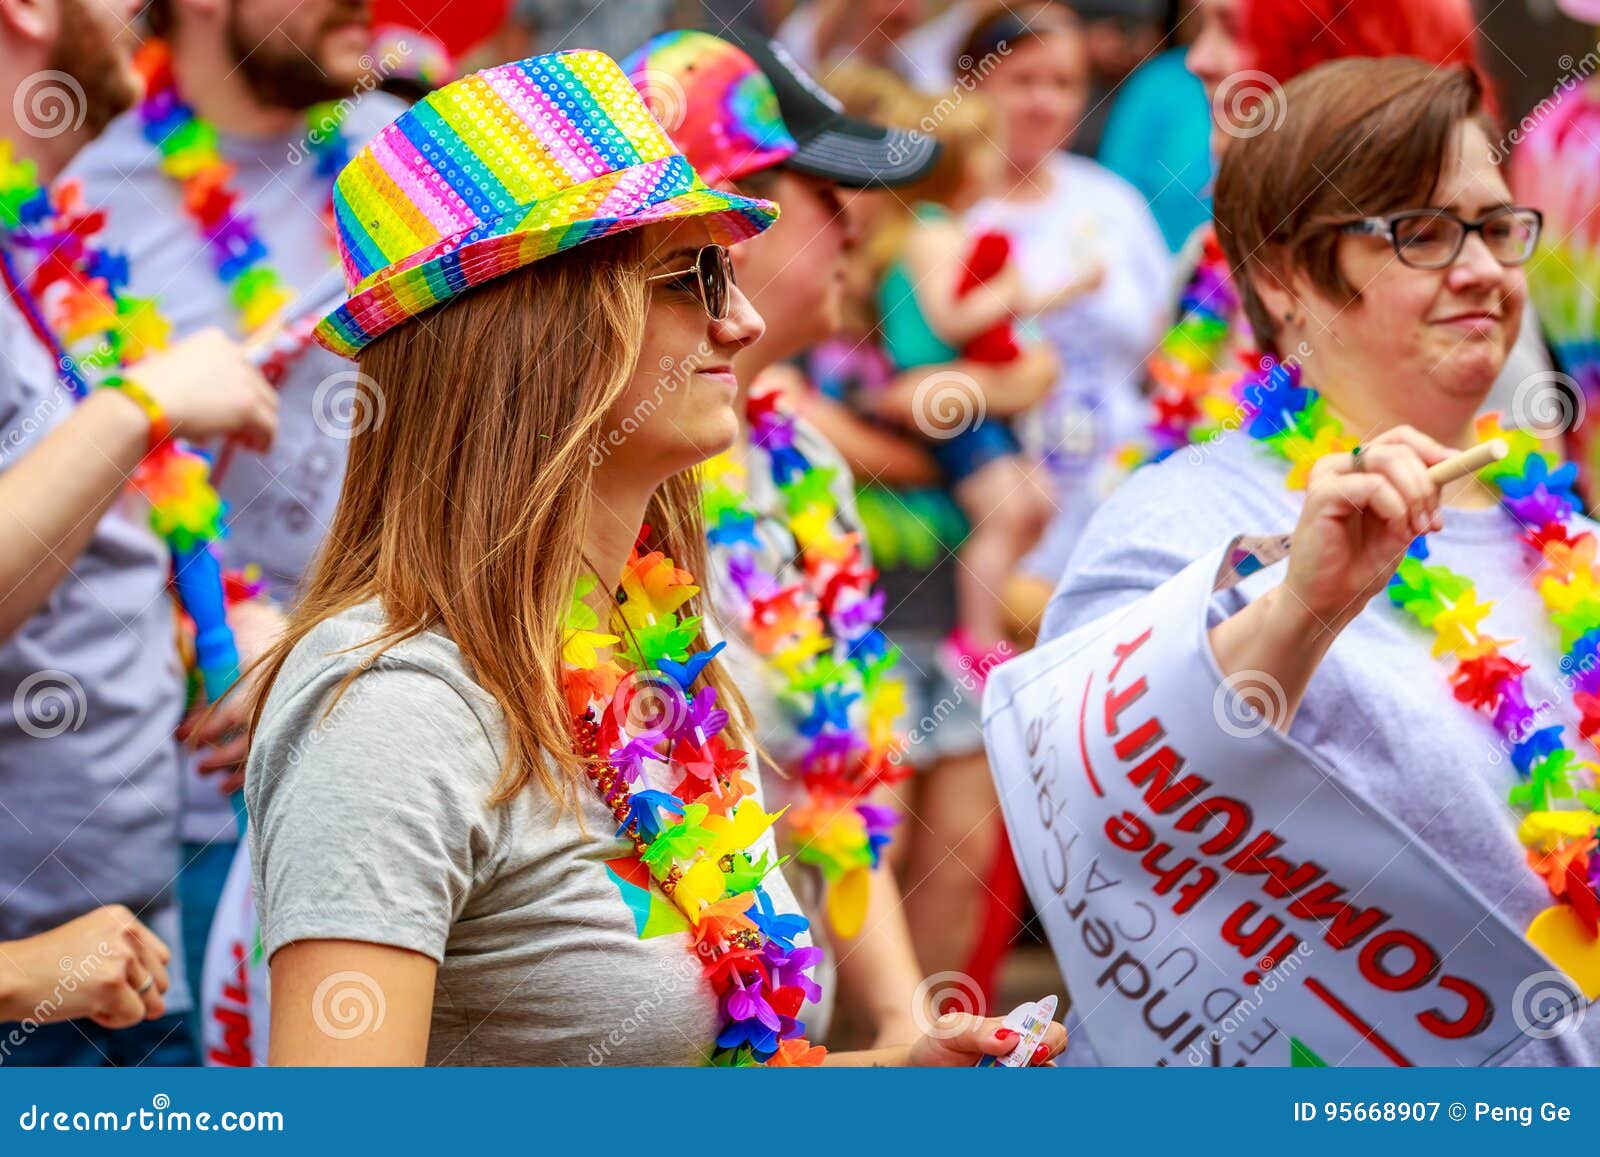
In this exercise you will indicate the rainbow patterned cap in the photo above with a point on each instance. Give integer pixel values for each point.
(715, 101)
(497, 170)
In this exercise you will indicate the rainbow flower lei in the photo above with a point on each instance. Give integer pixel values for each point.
(1194, 368)
(817, 631)
(637, 706)
(1536, 490)
(190, 155)
(76, 298)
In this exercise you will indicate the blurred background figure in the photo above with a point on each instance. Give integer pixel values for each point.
(1121, 35)
(616, 29)
(1556, 166)
(1158, 132)
(1066, 214)
(821, 33)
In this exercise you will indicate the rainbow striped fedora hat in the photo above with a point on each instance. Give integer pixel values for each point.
(497, 170)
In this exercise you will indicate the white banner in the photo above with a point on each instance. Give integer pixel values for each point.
(1214, 896)
(233, 989)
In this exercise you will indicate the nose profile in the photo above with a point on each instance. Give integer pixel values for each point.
(743, 326)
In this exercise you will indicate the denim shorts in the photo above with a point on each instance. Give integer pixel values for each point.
(971, 450)
(943, 718)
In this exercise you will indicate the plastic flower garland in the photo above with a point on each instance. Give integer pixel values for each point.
(816, 628)
(190, 155)
(1197, 363)
(636, 706)
(1536, 491)
(76, 299)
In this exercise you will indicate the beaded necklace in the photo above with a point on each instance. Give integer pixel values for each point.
(815, 623)
(1536, 490)
(190, 154)
(636, 706)
(76, 300)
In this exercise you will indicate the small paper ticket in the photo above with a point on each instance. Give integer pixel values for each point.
(1030, 1020)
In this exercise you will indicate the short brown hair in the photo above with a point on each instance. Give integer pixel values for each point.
(1352, 138)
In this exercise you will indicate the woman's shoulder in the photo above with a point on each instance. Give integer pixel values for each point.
(1164, 517)
(1189, 503)
(420, 681)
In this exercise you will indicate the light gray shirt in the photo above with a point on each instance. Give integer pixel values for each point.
(91, 690)
(279, 504)
(370, 821)
(1379, 709)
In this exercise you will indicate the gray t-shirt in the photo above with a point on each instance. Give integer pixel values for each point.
(1379, 709)
(370, 821)
(279, 504)
(88, 763)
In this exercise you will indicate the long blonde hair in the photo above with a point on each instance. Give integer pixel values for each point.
(466, 496)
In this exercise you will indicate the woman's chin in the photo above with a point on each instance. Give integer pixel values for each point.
(1467, 379)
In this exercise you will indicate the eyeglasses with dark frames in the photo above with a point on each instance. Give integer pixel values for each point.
(712, 274)
(1433, 238)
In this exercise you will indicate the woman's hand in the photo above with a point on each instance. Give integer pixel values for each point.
(1353, 531)
(224, 727)
(207, 388)
(1358, 521)
(105, 966)
(961, 1040)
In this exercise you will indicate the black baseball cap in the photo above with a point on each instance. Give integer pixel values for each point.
(833, 146)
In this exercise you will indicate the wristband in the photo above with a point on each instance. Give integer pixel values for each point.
(160, 428)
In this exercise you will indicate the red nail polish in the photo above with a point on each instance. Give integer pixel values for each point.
(1006, 1035)
(1040, 1054)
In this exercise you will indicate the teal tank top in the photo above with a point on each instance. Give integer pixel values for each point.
(907, 337)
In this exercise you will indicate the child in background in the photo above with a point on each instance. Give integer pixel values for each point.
(943, 295)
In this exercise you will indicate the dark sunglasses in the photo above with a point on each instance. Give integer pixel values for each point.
(712, 275)
(1433, 238)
